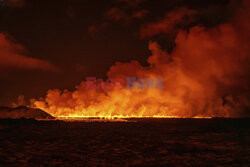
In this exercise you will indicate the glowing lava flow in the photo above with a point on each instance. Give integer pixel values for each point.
(122, 117)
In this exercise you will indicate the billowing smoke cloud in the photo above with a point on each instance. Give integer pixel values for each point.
(169, 23)
(119, 14)
(11, 56)
(140, 14)
(20, 101)
(115, 14)
(206, 75)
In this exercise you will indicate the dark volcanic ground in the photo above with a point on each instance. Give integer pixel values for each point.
(148, 142)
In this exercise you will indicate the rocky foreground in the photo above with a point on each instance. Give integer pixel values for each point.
(142, 142)
(23, 112)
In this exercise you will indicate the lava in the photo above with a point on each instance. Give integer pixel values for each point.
(206, 75)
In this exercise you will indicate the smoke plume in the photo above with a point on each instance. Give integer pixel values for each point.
(11, 56)
(206, 75)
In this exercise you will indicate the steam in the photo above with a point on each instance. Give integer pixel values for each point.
(206, 75)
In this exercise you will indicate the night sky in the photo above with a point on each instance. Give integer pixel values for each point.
(70, 40)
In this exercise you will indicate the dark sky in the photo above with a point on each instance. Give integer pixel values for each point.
(82, 38)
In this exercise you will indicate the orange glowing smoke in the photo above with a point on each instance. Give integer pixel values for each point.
(11, 56)
(206, 75)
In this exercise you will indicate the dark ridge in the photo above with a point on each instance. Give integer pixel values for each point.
(23, 112)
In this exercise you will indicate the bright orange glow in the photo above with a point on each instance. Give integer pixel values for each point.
(206, 75)
(109, 117)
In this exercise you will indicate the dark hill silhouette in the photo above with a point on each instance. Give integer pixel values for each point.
(23, 112)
